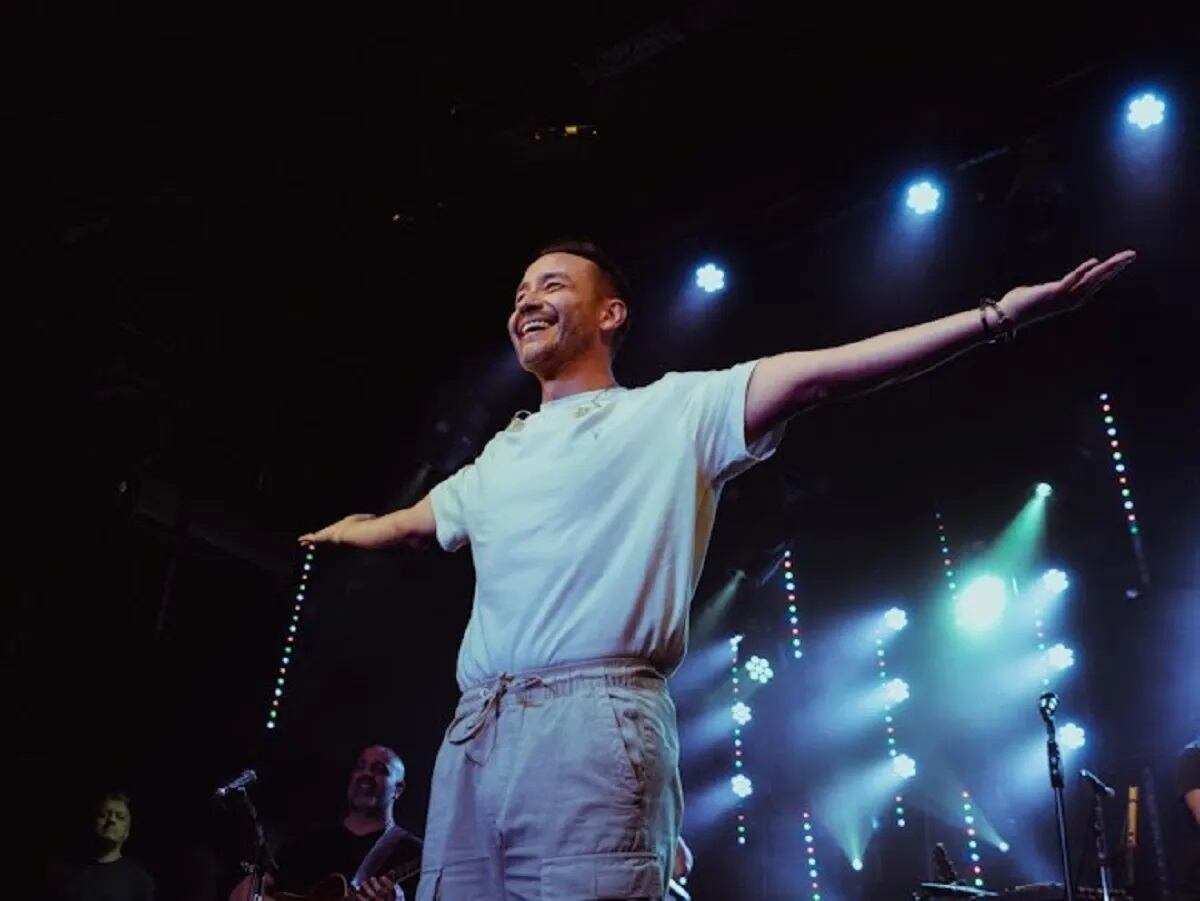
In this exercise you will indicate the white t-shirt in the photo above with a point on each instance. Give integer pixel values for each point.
(589, 523)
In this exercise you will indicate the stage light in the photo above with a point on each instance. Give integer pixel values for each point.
(1055, 581)
(741, 785)
(981, 604)
(895, 691)
(1003, 846)
(710, 278)
(856, 865)
(1060, 656)
(923, 197)
(895, 619)
(1044, 489)
(1146, 111)
(741, 713)
(1071, 736)
(759, 670)
(904, 766)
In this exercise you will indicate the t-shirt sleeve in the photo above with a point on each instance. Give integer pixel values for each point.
(714, 408)
(452, 501)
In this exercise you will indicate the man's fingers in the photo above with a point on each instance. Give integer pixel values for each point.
(1073, 278)
(1101, 275)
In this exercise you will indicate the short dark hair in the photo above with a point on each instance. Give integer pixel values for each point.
(120, 796)
(609, 270)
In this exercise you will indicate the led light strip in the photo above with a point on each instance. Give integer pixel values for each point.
(1121, 470)
(289, 642)
(739, 783)
(789, 584)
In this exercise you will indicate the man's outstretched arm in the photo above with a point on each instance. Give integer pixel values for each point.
(789, 383)
(412, 527)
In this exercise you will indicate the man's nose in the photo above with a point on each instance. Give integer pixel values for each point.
(526, 303)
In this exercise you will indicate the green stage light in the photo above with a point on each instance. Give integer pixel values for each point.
(981, 604)
(1044, 489)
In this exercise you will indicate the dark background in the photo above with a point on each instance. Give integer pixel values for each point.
(273, 251)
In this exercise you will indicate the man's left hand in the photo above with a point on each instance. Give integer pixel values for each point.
(1032, 302)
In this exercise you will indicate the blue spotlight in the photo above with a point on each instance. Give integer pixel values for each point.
(1044, 489)
(981, 604)
(895, 619)
(1055, 581)
(1060, 656)
(1146, 111)
(923, 197)
(759, 669)
(895, 691)
(741, 785)
(856, 865)
(904, 766)
(741, 713)
(710, 278)
(1072, 737)
(1003, 846)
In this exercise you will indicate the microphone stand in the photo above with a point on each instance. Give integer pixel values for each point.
(261, 858)
(1047, 705)
(1102, 857)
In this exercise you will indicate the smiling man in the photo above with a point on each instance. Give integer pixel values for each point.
(588, 522)
(363, 845)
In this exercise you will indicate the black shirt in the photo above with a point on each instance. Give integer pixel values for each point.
(121, 880)
(308, 858)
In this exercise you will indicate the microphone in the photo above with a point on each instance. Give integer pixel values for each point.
(1097, 784)
(1047, 705)
(238, 783)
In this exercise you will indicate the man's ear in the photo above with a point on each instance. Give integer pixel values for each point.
(614, 314)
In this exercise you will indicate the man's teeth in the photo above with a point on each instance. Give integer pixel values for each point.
(536, 326)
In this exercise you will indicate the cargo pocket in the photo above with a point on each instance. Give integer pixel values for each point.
(590, 877)
(469, 879)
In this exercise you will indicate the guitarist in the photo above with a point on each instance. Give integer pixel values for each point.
(376, 781)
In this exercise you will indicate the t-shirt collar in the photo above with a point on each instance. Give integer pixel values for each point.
(577, 400)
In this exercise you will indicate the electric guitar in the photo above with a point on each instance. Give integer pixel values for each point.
(336, 887)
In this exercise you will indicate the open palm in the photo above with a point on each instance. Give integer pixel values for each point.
(1068, 292)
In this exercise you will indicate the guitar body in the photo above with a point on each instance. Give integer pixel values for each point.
(331, 888)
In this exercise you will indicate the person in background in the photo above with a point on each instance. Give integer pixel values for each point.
(107, 874)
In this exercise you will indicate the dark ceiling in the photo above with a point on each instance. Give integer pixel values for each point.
(273, 228)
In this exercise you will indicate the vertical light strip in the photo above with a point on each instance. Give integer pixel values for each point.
(947, 560)
(810, 851)
(739, 783)
(894, 691)
(1121, 470)
(972, 853)
(289, 642)
(789, 586)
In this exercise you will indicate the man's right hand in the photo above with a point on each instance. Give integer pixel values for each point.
(341, 532)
